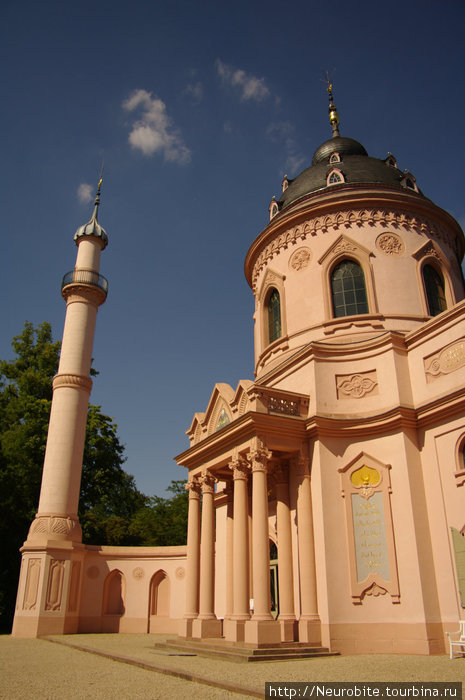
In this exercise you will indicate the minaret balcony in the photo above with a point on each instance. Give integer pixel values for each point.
(87, 277)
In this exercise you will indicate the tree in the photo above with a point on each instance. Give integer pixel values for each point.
(109, 497)
(163, 521)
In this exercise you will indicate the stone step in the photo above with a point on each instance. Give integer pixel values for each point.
(242, 652)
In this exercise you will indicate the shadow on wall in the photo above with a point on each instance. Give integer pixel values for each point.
(114, 590)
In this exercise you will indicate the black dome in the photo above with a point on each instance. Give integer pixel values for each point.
(356, 166)
(342, 145)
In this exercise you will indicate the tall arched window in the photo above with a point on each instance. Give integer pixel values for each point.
(274, 316)
(435, 292)
(348, 289)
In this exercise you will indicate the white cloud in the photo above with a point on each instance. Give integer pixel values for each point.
(293, 164)
(154, 131)
(251, 88)
(84, 193)
(195, 90)
(282, 133)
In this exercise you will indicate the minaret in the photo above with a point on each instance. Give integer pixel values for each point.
(49, 584)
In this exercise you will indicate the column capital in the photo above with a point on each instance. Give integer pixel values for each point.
(259, 456)
(240, 468)
(207, 481)
(193, 486)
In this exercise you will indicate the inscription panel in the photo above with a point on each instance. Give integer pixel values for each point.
(447, 360)
(371, 552)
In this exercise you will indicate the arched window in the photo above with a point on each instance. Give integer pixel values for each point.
(348, 289)
(334, 177)
(274, 316)
(435, 292)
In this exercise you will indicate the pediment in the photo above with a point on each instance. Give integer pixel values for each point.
(219, 409)
(429, 249)
(241, 399)
(344, 246)
(272, 278)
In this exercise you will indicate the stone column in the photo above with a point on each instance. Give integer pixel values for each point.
(206, 624)
(234, 628)
(261, 628)
(309, 623)
(193, 555)
(285, 576)
(229, 550)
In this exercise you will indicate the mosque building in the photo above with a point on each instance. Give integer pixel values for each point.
(327, 495)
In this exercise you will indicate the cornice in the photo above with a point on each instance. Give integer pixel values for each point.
(86, 293)
(344, 209)
(247, 426)
(396, 418)
(172, 552)
(437, 324)
(319, 349)
(441, 408)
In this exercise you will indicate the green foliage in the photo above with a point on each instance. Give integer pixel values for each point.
(111, 508)
(25, 401)
(164, 520)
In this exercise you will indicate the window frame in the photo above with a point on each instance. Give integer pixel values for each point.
(344, 291)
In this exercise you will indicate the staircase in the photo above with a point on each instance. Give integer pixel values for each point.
(286, 651)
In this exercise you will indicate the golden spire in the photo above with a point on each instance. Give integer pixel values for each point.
(333, 115)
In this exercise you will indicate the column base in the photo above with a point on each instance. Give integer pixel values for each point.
(262, 632)
(202, 629)
(234, 630)
(288, 630)
(310, 631)
(185, 627)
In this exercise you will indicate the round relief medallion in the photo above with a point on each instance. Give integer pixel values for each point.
(180, 572)
(138, 572)
(390, 244)
(92, 572)
(300, 259)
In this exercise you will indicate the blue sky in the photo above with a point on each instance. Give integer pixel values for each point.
(199, 109)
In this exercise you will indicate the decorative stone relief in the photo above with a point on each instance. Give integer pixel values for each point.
(347, 219)
(64, 528)
(356, 386)
(427, 251)
(375, 591)
(193, 487)
(300, 259)
(345, 247)
(55, 585)
(73, 380)
(74, 586)
(390, 244)
(138, 573)
(447, 360)
(180, 572)
(32, 584)
(208, 481)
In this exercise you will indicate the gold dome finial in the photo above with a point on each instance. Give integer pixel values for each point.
(333, 115)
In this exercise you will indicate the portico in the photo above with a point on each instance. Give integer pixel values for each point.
(250, 463)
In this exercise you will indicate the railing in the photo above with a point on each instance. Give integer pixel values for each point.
(85, 277)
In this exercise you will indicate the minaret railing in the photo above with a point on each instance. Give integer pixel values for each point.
(85, 277)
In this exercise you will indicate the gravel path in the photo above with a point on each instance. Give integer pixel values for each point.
(37, 669)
